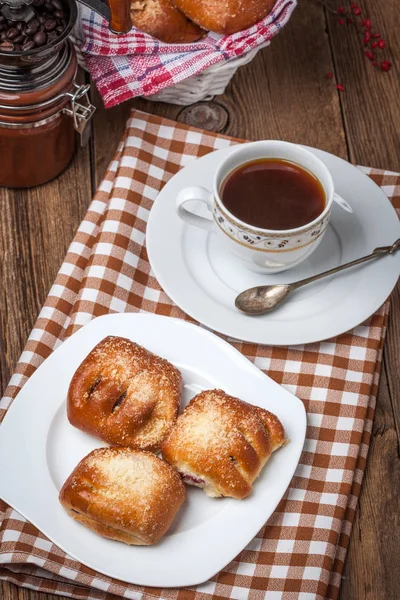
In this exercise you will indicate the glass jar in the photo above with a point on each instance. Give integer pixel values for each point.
(39, 114)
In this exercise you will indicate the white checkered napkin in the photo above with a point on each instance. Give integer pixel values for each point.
(299, 554)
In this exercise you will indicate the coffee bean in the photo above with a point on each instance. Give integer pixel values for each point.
(40, 38)
(7, 46)
(32, 27)
(12, 33)
(28, 46)
(46, 27)
(50, 24)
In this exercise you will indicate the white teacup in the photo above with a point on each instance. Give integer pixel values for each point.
(262, 250)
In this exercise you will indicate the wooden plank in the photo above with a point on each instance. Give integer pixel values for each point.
(370, 101)
(375, 536)
(285, 92)
(371, 113)
(9, 591)
(370, 570)
(36, 228)
(392, 360)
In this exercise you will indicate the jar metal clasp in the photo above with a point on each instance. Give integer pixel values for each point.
(81, 110)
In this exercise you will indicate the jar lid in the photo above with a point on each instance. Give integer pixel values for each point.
(10, 61)
(58, 79)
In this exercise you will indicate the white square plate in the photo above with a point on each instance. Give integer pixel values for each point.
(39, 449)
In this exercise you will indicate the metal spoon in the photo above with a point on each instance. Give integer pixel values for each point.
(264, 298)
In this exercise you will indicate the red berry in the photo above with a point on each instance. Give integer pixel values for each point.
(385, 65)
(366, 23)
(374, 64)
(341, 10)
(376, 36)
(381, 43)
(370, 55)
(341, 21)
(330, 75)
(351, 20)
(357, 11)
(340, 87)
(374, 45)
(354, 5)
(367, 37)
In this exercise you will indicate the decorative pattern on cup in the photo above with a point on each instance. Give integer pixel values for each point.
(272, 242)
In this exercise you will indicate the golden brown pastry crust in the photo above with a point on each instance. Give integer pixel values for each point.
(164, 21)
(125, 395)
(122, 494)
(225, 16)
(273, 425)
(221, 443)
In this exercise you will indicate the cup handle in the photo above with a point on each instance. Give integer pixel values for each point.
(195, 193)
(342, 203)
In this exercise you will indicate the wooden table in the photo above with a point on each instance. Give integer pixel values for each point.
(284, 93)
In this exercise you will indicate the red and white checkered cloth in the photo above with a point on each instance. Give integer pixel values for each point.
(136, 64)
(299, 554)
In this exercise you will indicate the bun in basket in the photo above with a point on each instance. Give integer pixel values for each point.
(125, 395)
(163, 21)
(123, 494)
(225, 16)
(220, 443)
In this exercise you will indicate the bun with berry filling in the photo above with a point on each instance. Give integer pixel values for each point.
(220, 443)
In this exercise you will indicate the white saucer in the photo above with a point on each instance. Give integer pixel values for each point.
(203, 279)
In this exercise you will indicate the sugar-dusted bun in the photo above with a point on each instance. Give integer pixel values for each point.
(163, 21)
(123, 494)
(225, 16)
(125, 395)
(221, 443)
(273, 425)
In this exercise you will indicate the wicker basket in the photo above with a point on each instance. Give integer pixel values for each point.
(204, 86)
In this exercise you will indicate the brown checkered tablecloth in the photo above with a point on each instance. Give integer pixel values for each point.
(299, 553)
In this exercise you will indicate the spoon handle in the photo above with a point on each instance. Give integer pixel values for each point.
(375, 254)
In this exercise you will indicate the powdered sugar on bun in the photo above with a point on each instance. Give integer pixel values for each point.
(124, 394)
(124, 494)
(221, 443)
(162, 20)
